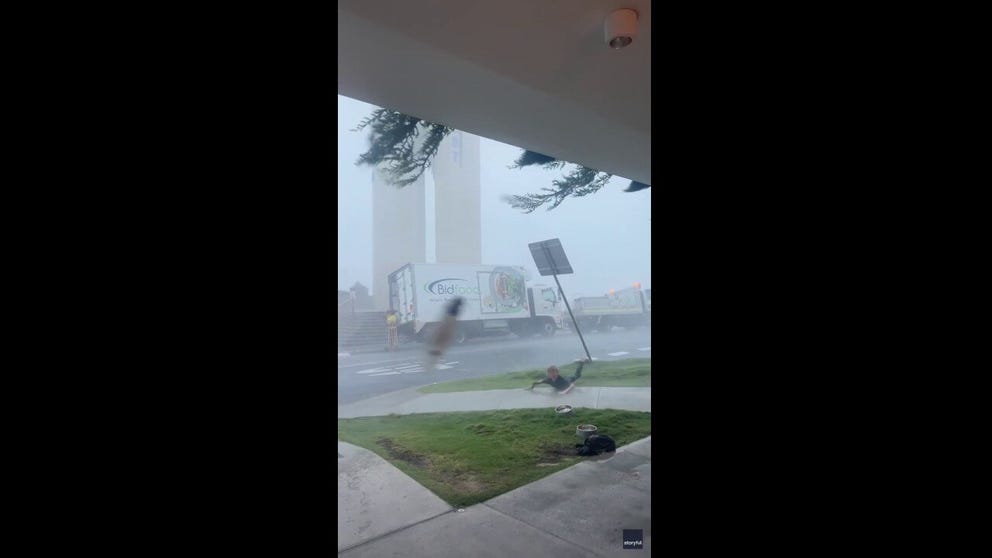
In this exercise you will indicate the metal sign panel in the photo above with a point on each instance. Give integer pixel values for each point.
(549, 256)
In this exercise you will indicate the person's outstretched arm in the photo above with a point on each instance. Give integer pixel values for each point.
(578, 370)
(544, 381)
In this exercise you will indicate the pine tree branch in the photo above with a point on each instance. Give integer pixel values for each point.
(582, 181)
(528, 158)
(393, 145)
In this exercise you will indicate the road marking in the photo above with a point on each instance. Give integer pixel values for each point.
(403, 368)
(644, 349)
(619, 353)
(395, 360)
(372, 370)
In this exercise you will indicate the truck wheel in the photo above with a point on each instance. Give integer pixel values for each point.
(519, 330)
(547, 328)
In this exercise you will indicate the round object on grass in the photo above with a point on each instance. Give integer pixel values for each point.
(563, 409)
(585, 430)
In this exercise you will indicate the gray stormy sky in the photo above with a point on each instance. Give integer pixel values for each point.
(606, 235)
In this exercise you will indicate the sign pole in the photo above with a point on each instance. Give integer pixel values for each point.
(549, 256)
(573, 318)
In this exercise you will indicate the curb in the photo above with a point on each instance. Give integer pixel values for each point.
(398, 398)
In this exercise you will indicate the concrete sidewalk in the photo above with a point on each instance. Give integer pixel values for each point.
(578, 512)
(410, 401)
(375, 498)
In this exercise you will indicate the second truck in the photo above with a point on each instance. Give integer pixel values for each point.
(630, 307)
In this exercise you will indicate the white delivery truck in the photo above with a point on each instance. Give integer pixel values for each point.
(628, 307)
(496, 297)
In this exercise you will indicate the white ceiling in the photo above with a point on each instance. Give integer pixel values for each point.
(536, 74)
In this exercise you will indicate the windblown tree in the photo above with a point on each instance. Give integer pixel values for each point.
(405, 146)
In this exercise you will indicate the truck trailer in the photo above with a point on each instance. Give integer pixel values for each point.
(497, 297)
(628, 307)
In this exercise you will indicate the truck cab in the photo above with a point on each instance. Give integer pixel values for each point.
(544, 301)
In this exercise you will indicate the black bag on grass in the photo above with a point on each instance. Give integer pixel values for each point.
(596, 444)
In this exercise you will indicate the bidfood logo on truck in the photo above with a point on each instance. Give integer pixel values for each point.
(451, 286)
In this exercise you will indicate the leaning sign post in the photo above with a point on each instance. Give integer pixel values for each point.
(549, 256)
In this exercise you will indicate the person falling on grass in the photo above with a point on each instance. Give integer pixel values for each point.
(557, 381)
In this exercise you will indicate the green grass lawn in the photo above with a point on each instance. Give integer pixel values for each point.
(631, 372)
(469, 457)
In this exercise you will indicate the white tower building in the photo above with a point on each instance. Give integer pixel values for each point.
(399, 219)
(457, 207)
(398, 232)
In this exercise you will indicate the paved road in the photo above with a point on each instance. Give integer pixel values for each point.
(365, 375)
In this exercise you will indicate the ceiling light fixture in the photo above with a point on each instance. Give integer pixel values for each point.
(621, 28)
